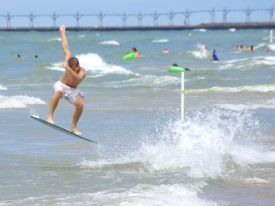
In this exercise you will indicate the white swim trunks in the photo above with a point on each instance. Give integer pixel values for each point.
(69, 93)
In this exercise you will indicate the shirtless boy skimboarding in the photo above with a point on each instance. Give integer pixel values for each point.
(66, 87)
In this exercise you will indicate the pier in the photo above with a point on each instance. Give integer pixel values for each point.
(184, 19)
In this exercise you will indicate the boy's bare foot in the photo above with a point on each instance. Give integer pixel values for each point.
(50, 120)
(76, 131)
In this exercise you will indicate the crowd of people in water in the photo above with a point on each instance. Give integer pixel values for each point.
(202, 50)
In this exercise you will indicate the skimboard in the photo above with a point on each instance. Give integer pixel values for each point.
(61, 129)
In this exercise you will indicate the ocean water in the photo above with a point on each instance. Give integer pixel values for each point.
(223, 153)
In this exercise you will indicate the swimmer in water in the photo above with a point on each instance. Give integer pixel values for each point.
(136, 52)
(214, 56)
(251, 49)
(165, 51)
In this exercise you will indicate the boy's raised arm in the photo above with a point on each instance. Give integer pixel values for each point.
(65, 43)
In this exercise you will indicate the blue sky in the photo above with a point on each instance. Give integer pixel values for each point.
(128, 6)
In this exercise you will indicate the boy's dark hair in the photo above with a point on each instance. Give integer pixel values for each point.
(135, 49)
(73, 62)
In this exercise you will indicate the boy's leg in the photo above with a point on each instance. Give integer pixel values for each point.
(54, 102)
(79, 104)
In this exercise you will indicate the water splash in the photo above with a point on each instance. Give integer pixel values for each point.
(200, 147)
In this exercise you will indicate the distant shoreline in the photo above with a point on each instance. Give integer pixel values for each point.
(210, 26)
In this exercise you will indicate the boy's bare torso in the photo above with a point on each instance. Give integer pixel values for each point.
(67, 79)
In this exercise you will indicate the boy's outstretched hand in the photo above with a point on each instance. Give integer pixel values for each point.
(62, 28)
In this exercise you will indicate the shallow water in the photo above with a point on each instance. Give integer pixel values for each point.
(222, 154)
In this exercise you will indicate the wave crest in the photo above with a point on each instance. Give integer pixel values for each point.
(18, 101)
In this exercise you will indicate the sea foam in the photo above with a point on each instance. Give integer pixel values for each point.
(18, 101)
(160, 41)
(247, 63)
(232, 29)
(271, 47)
(256, 180)
(270, 104)
(201, 52)
(141, 195)
(146, 81)
(3, 88)
(110, 42)
(191, 145)
(54, 39)
(201, 30)
(255, 88)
